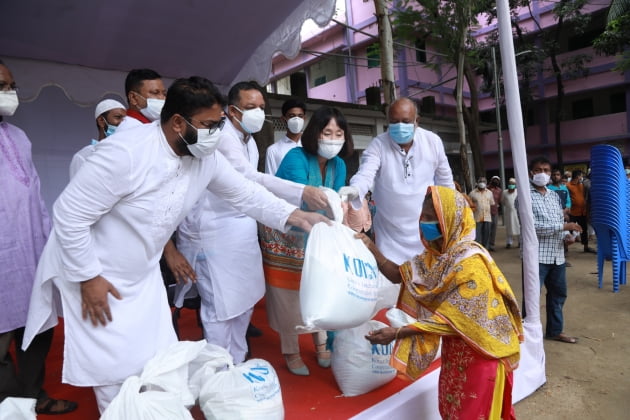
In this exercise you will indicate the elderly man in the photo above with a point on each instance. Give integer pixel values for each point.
(145, 94)
(293, 112)
(221, 242)
(483, 200)
(108, 114)
(400, 164)
(111, 224)
(23, 231)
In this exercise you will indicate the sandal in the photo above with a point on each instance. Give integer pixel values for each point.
(323, 356)
(51, 406)
(296, 365)
(563, 338)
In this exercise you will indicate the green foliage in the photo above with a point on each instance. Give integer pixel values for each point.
(616, 40)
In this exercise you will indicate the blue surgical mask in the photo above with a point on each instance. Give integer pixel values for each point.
(511, 187)
(110, 129)
(430, 230)
(401, 133)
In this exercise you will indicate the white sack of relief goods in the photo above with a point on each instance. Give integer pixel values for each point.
(387, 293)
(15, 408)
(250, 390)
(339, 286)
(357, 365)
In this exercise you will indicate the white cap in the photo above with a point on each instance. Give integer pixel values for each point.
(106, 105)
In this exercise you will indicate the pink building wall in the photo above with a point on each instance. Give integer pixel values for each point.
(414, 79)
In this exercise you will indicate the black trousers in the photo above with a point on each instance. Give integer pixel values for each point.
(23, 377)
(583, 222)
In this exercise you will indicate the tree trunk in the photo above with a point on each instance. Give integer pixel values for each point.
(471, 118)
(387, 53)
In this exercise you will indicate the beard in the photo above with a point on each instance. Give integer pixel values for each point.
(189, 137)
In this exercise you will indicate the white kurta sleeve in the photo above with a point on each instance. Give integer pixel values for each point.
(271, 160)
(443, 173)
(102, 182)
(290, 191)
(363, 180)
(248, 196)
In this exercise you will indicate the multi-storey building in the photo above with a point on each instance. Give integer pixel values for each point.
(341, 63)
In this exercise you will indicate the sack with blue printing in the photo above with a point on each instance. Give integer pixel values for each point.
(339, 285)
(250, 390)
(357, 365)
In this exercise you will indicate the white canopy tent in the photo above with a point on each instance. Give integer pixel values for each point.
(66, 55)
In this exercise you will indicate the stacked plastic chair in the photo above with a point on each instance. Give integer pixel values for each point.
(610, 212)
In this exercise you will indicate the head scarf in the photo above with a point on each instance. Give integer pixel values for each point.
(456, 289)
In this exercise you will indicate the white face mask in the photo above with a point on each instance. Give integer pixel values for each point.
(8, 102)
(153, 109)
(295, 125)
(206, 143)
(481, 185)
(541, 179)
(328, 149)
(252, 120)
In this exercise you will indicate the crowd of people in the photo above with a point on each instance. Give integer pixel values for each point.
(173, 175)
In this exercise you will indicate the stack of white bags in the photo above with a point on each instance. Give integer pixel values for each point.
(176, 378)
(341, 290)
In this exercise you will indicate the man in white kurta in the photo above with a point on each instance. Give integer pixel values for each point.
(108, 115)
(110, 226)
(398, 173)
(293, 113)
(221, 243)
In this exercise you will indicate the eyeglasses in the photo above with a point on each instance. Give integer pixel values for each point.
(212, 126)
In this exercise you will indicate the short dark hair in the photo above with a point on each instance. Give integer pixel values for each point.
(538, 160)
(576, 172)
(556, 169)
(234, 95)
(319, 120)
(293, 103)
(187, 96)
(136, 77)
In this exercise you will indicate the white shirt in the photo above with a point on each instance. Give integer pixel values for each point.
(276, 152)
(399, 183)
(114, 219)
(226, 239)
(79, 158)
(129, 122)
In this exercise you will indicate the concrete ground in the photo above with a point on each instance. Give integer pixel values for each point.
(590, 379)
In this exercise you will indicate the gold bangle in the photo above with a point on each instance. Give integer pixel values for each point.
(397, 331)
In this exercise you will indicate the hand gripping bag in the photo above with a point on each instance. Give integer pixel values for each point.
(357, 365)
(250, 390)
(339, 284)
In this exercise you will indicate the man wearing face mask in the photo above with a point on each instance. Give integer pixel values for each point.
(400, 163)
(551, 231)
(483, 199)
(579, 192)
(108, 114)
(23, 231)
(111, 224)
(293, 113)
(221, 243)
(145, 94)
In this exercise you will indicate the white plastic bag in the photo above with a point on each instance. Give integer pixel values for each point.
(250, 390)
(133, 403)
(357, 365)
(339, 286)
(161, 391)
(12, 408)
(387, 293)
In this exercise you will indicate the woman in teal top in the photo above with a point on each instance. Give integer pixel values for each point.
(316, 163)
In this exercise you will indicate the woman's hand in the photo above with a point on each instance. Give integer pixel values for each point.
(383, 336)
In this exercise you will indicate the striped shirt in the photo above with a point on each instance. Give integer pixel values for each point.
(549, 224)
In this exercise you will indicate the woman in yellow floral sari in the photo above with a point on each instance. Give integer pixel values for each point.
(456, 292)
